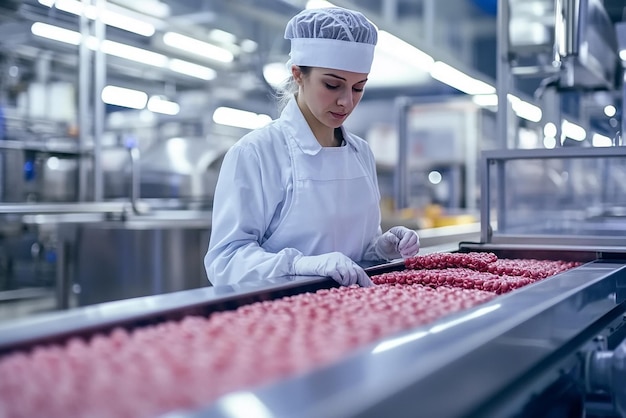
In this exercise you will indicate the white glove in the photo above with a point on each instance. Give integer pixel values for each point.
(398, 242)
(336, 265)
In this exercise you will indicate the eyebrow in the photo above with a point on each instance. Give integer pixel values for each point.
(341, 78)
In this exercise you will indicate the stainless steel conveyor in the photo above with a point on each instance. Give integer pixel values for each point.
(491, 360)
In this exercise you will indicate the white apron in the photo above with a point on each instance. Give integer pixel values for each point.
(338, 196)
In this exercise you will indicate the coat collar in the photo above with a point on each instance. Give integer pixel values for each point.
(301, 132)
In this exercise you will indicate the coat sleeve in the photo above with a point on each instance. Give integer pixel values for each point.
(243, 205)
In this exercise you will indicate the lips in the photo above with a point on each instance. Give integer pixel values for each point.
(338, 115)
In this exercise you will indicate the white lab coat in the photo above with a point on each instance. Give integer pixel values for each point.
(281, 195)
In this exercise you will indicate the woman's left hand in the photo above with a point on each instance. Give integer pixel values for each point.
(399, 241)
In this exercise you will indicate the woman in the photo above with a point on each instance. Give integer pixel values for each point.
(300, 195)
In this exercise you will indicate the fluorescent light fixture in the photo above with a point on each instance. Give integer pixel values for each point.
(191, 69)
(485, 100)
(195, 46)
(403, 51)
(275, 73)
(222, 36)
(249, 46)
(318, 4)
(573, 131)
(524, 109)
(134, 54)
(549, 130)
(55, 33)
(240, 118)
(120, 96)
(459, 80)
(124, 51)
(158, 104)
(109, 17)
(549, 142)
(598, 140)
(521, 108)
(610, 111)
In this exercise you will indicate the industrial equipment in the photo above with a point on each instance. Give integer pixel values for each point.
(550, 348)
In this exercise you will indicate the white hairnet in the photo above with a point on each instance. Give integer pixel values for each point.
(332, 37)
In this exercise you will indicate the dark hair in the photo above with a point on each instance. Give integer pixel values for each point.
(289, 87)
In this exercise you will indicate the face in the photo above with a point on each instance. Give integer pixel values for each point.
(329, 95)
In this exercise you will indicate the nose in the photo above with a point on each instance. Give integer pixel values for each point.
(345, 99)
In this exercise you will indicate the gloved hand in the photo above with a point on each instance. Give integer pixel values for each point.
(398, 242)
(336, 265)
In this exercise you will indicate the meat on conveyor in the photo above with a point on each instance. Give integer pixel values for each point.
(185, 364)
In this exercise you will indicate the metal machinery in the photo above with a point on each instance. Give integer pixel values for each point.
(552, 348)
(157, 207)
(553, 47)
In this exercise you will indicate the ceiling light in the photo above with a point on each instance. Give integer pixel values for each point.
(485, 99)
(120, 96)
(549, 142)
(524, 109)
(598, 140)
(56, 33)
(154, 8)
(197, 47)
(249, 46)
(158, 104)
(622, 54)
(275, 73)
(240, 118)
(318, 4)
(549, 129)
(222, 36)
(610, 111)
(124, 51)
(459, 80)
(403, 51)
(573, 131)
(190, 69)
(109, 17)
(135, 54)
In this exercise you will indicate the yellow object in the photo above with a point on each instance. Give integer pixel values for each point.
(453, 220)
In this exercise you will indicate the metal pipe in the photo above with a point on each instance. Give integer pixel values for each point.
(135, 174)
(62, 208)
(84, 120)
(620, 139)
(99, 109)
(62, 275)
(503, 73)
(573, 10)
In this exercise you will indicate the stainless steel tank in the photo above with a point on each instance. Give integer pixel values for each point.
(184, 168)
(144, 255)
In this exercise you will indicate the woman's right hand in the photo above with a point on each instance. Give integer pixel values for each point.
(336, 265)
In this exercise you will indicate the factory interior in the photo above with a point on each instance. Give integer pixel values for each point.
(497, 127)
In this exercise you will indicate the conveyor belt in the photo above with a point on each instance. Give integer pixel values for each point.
(472, 362)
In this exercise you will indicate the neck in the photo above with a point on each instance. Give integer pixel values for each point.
(324, 135)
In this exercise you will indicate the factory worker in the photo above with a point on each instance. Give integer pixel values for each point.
(300, 195)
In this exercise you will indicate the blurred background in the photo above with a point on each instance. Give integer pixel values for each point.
(115, 115)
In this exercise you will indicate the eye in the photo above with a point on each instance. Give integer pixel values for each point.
(330, 86)
(357, 90)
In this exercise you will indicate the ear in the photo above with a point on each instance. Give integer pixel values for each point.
(296, 73)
